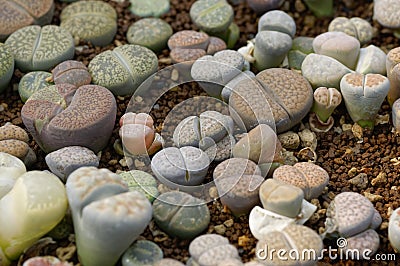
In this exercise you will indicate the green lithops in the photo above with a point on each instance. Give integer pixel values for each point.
(33, 82)
(301, 47)
(141, 181)
(152, 33)
(123, 69)
(6, 66)
(142, 253)
(149, 8)
(93, 21)
(40, 48)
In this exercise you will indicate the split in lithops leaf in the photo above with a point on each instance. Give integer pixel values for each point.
(371, 60)
(180, 214)
(320, 8)
(34, 206)
(6, 67)
(386, 12)
(277, 20)
(262, 6)
(11, 168)
(141, 181)
(46, 260)
(33, 82)
(363, 96)
(356, 27)
(394, 229)
(149, 8)
(362, 245)
(71, 72)
(325, 102)
(393, 74)
(107, 218)
(142, 253)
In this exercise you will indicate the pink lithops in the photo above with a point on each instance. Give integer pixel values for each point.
(63, 115)
(394, 229)
(45, 261)
(72, 72)
(393, 74)
(366, 243)
(311, 178)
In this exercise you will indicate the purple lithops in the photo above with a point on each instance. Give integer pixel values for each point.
(262, 6)
(72, 72)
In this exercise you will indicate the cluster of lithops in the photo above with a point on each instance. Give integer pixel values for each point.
(352, 216)
(356, 27)
(386, 12)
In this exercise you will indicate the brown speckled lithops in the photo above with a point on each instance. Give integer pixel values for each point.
(72, 72)
(393, 74)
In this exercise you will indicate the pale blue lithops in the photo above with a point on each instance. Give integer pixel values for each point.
(371, 60)
(356, 27)
(277, 20)
(339, 46)
(20, 13)
(301, 47)
(363, 96)
(92, 21)
(320, 8)
(386, 12)
(106, 216)
(394, 229)
(180, 167)
(211, 249)
(351, 213)
(149, 8)
(393, 74)
(152, 33)
(64, 161)
(142, 253)
(311, 178)
(6, 66)
(141, 181)
(123, 69)
(323, 71)
(214, 72)
(261, 6)
(180, 214)
(11, 168)
(40, 48)
(71, 72)
(361, 246)
(33, 82)
(84, 116)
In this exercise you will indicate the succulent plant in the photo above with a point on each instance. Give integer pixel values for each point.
(141, 253)
(92, 21)
(386, 12)
(262, 6)
(35, 205)
(394, 229)
(141, 181)
(320, 8)
(393, 74)
(46, 260)
(71, 72)
(152, 33)
(371, 60)
(6, 66)
(366, 243)
(227, 90)
(106, 217)
(277, 20)
(11, 168)
(33, 82)
(18, 14)
(84, 116)
(236, 167)
(325, 102)
(356, 27)
(129, 65)
(346, 53)
(363, 96)
(168, 262)
(396, 115)
(301, 47)
(64, 161)
(149, 8)
(230, 36)
(180, 214)
(56, 45)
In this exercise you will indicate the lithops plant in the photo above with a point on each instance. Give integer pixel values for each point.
(141, 181)
(325, 102)
(92, 21)
(14, 140)
(168, 262)
(84, 116)
(64, 161)
(34, 206)
(180, 214)
(396, 115)
(211, 249)
(152, 33)
(18, 14)
(46, 260)
(71, 72)
(129, 66)
(262, 6)
(356, 27)
(386, 12)
(11, 168)
(99, 199)
(371, 60)
(56, 45)
(277, 97)
(393, 74)
(149, 8)
(138, 134)
(32, 82)
(141, 253)
(346, 53)
(363, 96)
(394, 229)
(349, 214)
(181, 168)
(366, 243)
(6, 66)
(320, 8)
(301, 47)
(235, 167)
(311, 178)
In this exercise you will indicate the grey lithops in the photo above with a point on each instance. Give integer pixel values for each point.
(351, 213)
(142, 253)
(346, 53)
(311, 178)
(33, 82)
(141, 181)
(261, 6)
(301, 47)
(84, 116)
(152, 33)
(186, 166)
(277, 20)
(149, 8)
(56, 45)
(180, 214)
(356, 27)
(123, 69)
(211, 249)
(64, 161)
(386, 12)
(6, 66)
(93, 21)
(393, 74)
(235, 167)
(371, 60)
(394, 229)
(366, 244)
(20, 13)
(363, 96)
(323, 71)
(71, 72)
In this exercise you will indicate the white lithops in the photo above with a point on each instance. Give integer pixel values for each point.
(371, 60)
(366, 243)
(11, 168)
(394, 229)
